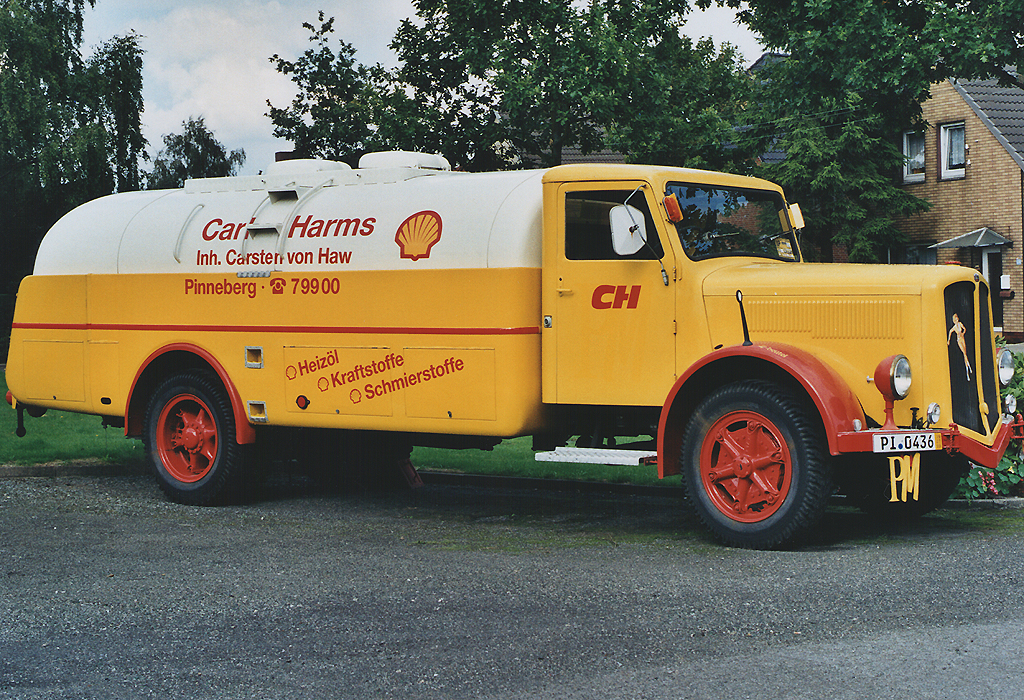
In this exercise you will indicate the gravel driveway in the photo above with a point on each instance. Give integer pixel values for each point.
(109, 591)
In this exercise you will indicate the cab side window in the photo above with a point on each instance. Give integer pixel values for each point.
(588, 233)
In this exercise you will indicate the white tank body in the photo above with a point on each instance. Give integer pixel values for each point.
(307, 216)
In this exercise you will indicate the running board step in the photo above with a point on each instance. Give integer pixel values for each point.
(586, 455)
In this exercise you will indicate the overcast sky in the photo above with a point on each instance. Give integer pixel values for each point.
(210, 58)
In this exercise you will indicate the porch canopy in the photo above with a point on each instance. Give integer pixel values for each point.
(978, 238)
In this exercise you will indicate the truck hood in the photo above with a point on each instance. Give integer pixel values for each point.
(838, 279)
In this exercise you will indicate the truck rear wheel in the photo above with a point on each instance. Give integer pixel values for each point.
(190, 437)
(753, 466)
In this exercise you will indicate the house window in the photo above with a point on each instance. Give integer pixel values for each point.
(919, 255)
(953, 151)
(913, 156)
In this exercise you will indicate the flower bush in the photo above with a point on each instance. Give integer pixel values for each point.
(1004, 480)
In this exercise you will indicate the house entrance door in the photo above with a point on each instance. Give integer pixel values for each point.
(992, 268)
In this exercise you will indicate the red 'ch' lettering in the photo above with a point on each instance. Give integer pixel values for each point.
(630, 296)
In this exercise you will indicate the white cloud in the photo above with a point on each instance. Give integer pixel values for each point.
(720, 24)
(206, 61)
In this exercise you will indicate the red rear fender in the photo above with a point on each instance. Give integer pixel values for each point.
(193, 355)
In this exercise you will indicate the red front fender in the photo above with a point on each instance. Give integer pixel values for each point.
(833, 398)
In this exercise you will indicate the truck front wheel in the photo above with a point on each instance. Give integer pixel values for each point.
(190, 438)
(753, 466)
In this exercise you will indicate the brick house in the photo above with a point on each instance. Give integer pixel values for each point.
(969, 163)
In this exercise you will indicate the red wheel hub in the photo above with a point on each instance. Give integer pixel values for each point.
(745, 466)
(186, 438)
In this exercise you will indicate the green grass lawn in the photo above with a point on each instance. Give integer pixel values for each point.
(61, 436)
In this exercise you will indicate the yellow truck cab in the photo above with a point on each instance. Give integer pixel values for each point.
(617, 313)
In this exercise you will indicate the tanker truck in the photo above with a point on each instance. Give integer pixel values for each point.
(616, 313)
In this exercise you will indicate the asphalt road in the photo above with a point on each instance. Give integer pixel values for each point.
(109, 591)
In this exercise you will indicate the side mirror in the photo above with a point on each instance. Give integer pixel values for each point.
(629, 230)
(796, 216)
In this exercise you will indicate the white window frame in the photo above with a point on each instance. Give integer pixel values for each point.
(946, 172)
(908, 174)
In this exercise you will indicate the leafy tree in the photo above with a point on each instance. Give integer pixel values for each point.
(115, 71)
(344, 109)
(329, 116)
(680, 106)
(548, 74)
(899, 46)
(39, 58)
(855, 78)
(191, 154)
(489, 83)
(67, 123)
(542, 73)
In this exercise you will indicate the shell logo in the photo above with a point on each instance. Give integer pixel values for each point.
(418, 234)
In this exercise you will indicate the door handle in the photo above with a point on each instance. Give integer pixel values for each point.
(564, 292)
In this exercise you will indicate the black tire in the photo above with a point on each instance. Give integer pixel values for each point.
(866, 481)
(190, 440)
(765, 480)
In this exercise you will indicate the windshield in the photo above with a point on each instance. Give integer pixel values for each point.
(726, 221)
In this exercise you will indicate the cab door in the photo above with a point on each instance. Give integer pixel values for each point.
(613, 320)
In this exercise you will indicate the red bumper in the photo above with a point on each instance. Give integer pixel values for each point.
(953, 441)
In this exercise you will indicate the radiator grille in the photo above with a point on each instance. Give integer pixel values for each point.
(963, 327)
(987, 368)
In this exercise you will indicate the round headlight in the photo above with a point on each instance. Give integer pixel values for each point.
(1005, 366)
(934, 413)
(901, 377)
(892, 377)
(1011, 403)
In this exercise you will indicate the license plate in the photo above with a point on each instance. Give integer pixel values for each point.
(906, 442)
